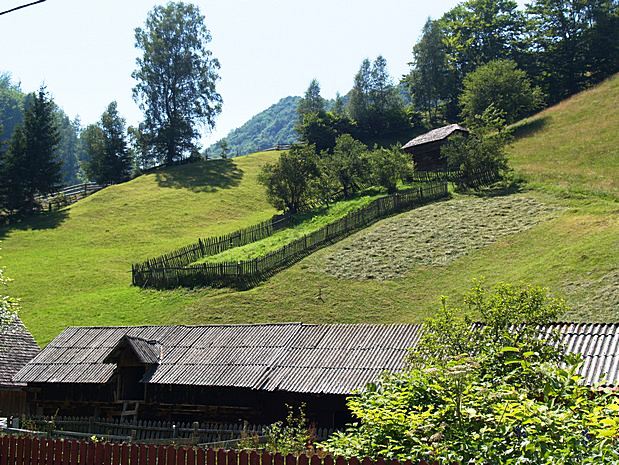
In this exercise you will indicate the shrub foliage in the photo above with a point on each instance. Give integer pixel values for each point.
(495, 394)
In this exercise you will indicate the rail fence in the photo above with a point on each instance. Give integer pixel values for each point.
(41, 451)
(153, 431)
(68, 195)
(162, 274)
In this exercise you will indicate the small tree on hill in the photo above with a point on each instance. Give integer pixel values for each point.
(388, 167)
(224, 148)
(110, 160)
(347, 165)
(312, 102)
(482, 152)
(289, 181)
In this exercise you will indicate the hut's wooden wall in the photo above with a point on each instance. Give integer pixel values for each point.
(12, 402)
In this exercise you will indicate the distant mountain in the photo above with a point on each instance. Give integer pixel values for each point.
(273, 126)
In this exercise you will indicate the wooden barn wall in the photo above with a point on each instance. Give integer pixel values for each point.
(188, 403)
(12, 402)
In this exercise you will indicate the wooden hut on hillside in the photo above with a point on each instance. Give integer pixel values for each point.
(426, 148)
(17, 348)
(227, 373)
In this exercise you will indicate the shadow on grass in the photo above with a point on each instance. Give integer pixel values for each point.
(529, 127)
(201, 177)
(35, 222)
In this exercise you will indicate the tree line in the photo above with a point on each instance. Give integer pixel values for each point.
(304, 176)
(480, 53)
(42, 149)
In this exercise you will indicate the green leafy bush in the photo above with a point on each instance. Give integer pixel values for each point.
(498, 394)
(292, 436)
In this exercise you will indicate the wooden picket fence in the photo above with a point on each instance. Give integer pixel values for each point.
(475, 179)
(42, 451)
(168, 274)
(215, 245)
(67, 196)
(154, 430)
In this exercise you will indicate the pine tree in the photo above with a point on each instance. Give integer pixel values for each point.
(110, 159)
(359, 103)
(312, 102)
(31, 167)
(431, 80)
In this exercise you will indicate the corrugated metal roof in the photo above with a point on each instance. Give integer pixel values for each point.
(434, 135)
(17, 348)
(294, 357)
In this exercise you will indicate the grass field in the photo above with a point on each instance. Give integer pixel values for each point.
(572, 148)
(73, 267)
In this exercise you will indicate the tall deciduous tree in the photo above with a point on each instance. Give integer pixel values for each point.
(499, 83)
(375, 103)
(479, 31)
(176, 77)
(30, 167)
(574, 41)
(346, 166)
(106, 142)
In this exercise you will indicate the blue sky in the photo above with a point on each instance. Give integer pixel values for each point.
(83, 50)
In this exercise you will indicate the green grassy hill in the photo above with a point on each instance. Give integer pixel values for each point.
(573, 147)
(73, 267)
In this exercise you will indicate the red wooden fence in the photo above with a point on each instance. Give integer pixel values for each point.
(42, 451)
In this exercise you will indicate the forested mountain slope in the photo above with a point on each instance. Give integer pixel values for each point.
(273, 126)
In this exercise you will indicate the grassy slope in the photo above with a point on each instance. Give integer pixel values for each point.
(73, 267)
(77, 272)
(573, 147)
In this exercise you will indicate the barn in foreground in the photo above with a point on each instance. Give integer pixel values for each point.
(231, 373)
(426, 148)
(17, 348)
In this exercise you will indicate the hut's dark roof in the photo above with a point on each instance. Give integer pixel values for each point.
(294, 357)
(435, 135)
(17, 348)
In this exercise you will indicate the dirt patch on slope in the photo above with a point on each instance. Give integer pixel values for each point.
(433, 235)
